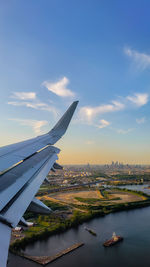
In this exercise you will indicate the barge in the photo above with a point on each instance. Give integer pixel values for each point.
(114, 240)
(90, 231)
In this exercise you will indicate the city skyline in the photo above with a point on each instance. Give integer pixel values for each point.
(97, 52)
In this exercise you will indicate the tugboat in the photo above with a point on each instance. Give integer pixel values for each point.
(114, 240)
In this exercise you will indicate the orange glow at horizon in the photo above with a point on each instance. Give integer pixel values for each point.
(97, 156)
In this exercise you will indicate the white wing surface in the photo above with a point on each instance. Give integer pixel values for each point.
(23, 168)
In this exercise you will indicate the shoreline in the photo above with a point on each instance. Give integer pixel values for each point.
(17, 245)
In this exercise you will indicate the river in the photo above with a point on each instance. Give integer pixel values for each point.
(134, 251)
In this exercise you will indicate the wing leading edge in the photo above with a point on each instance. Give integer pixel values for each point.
(23, 168)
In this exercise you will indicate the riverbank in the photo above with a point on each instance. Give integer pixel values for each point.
(133, 225)
(77, 218)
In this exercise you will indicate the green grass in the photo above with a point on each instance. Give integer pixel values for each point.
(94, 200)
(55, 205)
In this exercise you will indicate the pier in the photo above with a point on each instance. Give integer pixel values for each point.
(43, 260)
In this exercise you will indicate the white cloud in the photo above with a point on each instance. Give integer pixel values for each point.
(35, 105)
(89, 113)
(139, 99)
(141, 60)
(140, 120)
(34, 124)
(59, 88)
(103, 124)
(24, 95)
(122, 131)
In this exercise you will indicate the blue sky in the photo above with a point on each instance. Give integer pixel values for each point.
(97, 52)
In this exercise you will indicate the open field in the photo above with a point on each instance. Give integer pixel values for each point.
(92, 197)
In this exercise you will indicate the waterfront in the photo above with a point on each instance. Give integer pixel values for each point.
(133, 225)
(144, 188)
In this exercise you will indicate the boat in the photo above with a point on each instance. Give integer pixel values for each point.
(114, 240)
(90, 231)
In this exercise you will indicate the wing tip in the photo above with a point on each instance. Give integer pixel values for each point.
(65, 119)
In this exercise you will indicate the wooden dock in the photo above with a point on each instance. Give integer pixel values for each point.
(43, 260)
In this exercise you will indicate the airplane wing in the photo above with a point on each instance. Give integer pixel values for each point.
(23, 168)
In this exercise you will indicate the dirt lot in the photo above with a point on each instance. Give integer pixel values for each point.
(125, 197)
(70, 196)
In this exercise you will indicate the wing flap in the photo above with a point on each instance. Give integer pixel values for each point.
(16, 208)
(13, 180)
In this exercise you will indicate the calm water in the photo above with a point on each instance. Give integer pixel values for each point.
(142, 188)
(134, 251)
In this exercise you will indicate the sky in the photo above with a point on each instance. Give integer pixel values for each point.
(54, 52)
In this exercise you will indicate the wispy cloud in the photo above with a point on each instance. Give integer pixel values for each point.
(103, 124)
(24, 95)
(36, 125)
(30, 100)
(88, 113)
(122, 131)
(59, 88)
(142, 60)
(141, 120)
(139, 99)
(35, 105)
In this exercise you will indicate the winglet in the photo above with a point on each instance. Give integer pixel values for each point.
(62, 125)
